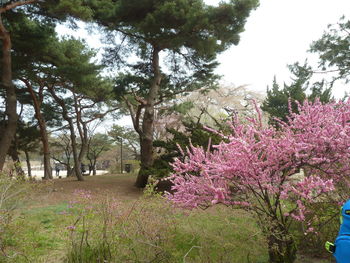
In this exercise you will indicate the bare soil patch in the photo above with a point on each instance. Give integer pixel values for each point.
(118, 186)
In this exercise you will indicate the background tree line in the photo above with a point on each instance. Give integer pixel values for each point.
(174, 46)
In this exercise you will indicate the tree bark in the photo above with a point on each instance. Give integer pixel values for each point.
(146, 160)
(29, 168)
(65, 115)
(94, 172)
(82, 129)
(15, 158)
(42, 128)
(146, 133)
(6, 84)
(77, 163)
(281, 245)
(69, 170)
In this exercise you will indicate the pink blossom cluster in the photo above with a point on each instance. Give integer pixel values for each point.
(259, 166)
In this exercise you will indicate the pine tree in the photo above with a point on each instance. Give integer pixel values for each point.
(187, 33)
(33, 9)
(277, 100)
(333, 50)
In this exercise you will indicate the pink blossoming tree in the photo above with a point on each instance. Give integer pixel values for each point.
(272, 173)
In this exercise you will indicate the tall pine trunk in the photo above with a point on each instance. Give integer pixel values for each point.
(146, 133)
(29, 167)
(46, 148)
(82, 129)
(6, 84)
(77, 163)
(146, 160)
(42, 128)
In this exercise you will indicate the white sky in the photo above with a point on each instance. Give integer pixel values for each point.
(278, 33)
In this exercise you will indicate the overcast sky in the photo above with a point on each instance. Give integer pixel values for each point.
(278, 33)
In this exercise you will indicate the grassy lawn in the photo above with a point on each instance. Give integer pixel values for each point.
(137, 228)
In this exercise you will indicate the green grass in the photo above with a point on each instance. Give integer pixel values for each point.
(223, 235)
(37, 233)
(151, 231)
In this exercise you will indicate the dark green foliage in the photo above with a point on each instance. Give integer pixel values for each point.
(40, 56)
(42, 59)
(176, 24)
(333, 50)
(31, 39)
(32, 27)
(28, 137)
(51, 115)
(181, 108)
(334, 57)
(324, 218)
(61, 10)
(194, 133)
(35, 42)
(27, 140)
(75, 65)
(318, 91)
(191, 33)
(277, 99)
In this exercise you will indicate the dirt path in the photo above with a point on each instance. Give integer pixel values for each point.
(61, 190)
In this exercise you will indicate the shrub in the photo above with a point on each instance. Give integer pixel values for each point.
(271, 172)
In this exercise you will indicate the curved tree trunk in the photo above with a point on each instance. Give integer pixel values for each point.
(146, 134)
(77, 163)
(6, 84)
(42, 127)
(82, 129)
(84, 142)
